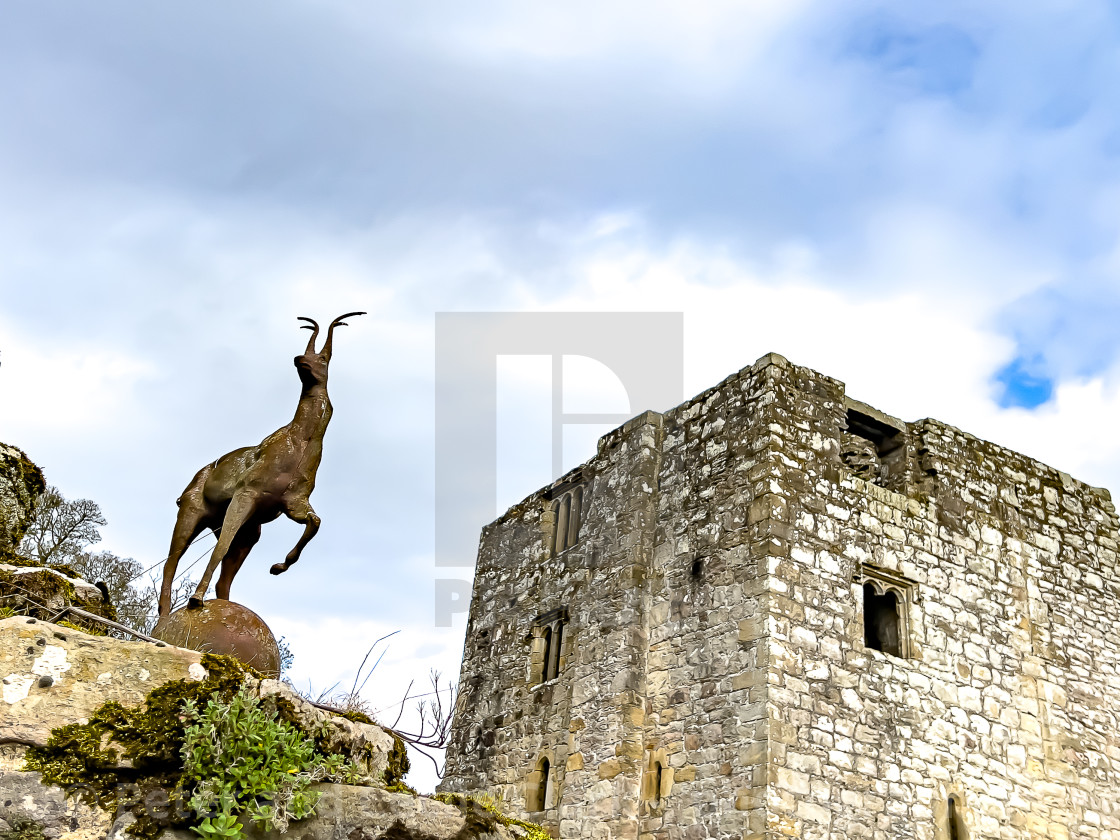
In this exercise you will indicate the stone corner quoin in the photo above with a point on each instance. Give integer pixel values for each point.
(777, 611)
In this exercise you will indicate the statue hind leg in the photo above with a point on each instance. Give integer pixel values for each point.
(237, 514)
(239, 549)
(193, 518)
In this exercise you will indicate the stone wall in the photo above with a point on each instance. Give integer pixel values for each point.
(715, 677)
(1009, 698)
(589, 722)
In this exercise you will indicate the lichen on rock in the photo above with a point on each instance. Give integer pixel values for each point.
(128, 757)
(21, 485)
(46, 592)
(104, 718)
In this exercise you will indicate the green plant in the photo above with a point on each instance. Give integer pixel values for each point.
(240, 760)
(85, 757)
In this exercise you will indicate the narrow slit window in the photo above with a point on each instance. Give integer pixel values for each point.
(547, 636)
(540, 787)
(657, 778)
(552, 664)
(556, 546)
(546, 785)
(562, 524)
(576, 501)
(957, 828)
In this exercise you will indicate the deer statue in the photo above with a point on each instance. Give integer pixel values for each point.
(235, 495)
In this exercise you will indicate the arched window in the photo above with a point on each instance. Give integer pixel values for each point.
(957, 829)
(539, 791)
(562, 523)
(886, 611)
(556, 546)
(547, 636)
(567, 515)
(880, 620)
(576, 501)
(546, 785)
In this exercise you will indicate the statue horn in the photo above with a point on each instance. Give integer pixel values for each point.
(310, 325)
(337, 322)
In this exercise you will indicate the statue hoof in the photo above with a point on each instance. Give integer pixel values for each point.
(278, 568)
(195, 603)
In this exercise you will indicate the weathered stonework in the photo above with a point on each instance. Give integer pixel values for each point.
(736, 563)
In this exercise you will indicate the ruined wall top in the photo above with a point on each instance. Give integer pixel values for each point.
(883, 449)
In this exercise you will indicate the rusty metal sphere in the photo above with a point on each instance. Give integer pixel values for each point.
(224, 627)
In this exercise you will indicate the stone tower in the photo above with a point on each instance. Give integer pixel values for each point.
(774, 611)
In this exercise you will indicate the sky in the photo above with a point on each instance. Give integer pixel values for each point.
(921, 200)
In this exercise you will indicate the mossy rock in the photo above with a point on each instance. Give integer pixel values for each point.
(483, 814)
(399, 765)
(45, 594)
(21, 485)
(23, 829)
(129, 758)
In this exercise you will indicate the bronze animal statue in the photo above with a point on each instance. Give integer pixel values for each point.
(235, 495)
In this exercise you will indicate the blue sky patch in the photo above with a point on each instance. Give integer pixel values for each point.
(1020, 387)
(938, 60)
(1062, 331)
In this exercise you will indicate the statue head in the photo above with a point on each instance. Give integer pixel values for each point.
(312, 366)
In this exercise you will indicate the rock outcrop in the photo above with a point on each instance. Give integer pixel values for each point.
(25, 803)
(52, 676)
(344, 811)
(21, 485)
(46, 592)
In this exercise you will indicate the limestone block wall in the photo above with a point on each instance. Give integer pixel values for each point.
(587, 722)
(715, 678)
(1009, 700)
(708, 650)
(657, 718)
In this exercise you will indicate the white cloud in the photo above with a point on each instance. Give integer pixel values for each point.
(55, 390)
(164, 223)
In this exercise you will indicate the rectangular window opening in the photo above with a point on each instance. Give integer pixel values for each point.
(874, 451)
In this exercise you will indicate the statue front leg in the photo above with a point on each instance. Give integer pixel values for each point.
(304, 514)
